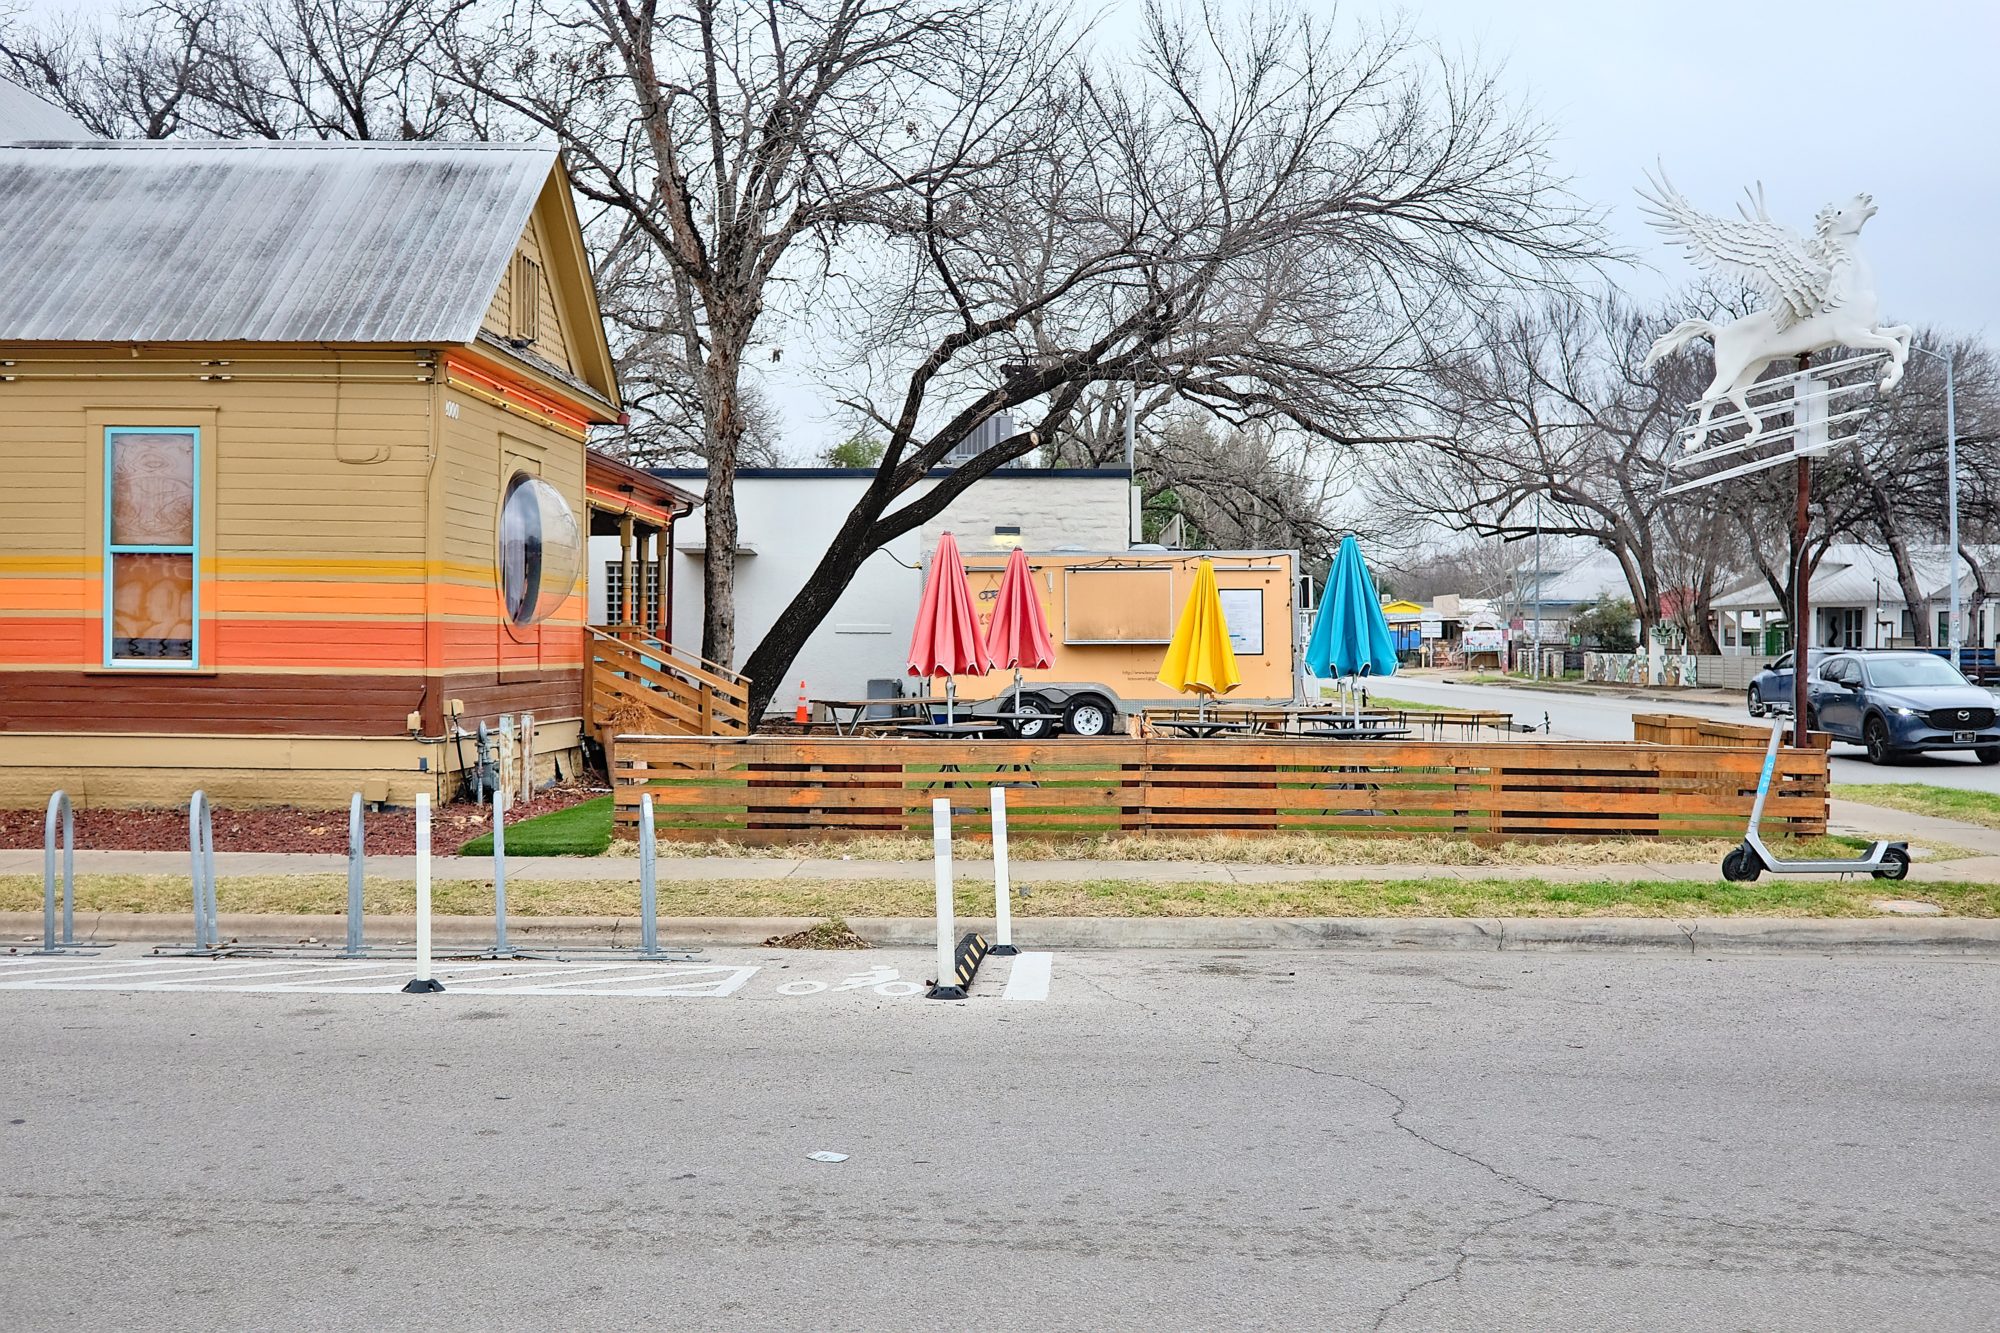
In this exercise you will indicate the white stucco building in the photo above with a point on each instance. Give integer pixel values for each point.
(786, 517)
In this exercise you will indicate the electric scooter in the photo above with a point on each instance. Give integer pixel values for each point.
(1885, 860)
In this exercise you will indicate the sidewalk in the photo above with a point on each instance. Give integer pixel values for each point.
(1848, 817)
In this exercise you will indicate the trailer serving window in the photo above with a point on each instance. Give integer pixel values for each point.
(1132, 604)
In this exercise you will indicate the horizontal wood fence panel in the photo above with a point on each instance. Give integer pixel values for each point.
(766, 789)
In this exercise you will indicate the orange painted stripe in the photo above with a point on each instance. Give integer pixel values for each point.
(66, 642)
(466, 371)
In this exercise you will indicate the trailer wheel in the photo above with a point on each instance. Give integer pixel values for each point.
(1895, 864)
(1741, 866)
(1088, 716)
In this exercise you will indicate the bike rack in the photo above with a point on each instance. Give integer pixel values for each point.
(201, 873)
(59, 804)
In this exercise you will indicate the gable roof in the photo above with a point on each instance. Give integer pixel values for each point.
(171, 241)
(26, 116)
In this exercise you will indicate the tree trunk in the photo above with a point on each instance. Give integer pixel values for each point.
(1899, 553)
(718, 569)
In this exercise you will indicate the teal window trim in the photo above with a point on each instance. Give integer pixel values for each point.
(192, 550)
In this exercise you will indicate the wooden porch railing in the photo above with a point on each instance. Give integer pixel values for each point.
(638, 682)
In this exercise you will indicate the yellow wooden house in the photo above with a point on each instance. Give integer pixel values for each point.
(297, 486)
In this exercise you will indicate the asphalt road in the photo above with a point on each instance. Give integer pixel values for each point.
(1593, 717)
(1326, 1141)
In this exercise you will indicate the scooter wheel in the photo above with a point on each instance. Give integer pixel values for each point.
(1895, 864)
(1740, 866)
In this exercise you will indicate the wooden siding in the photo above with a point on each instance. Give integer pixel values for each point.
(551, 342)
(777, 790)
(348, 544)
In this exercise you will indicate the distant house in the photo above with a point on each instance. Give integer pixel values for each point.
(1858, 602)
(297, 480)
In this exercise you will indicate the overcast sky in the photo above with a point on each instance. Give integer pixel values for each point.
(1816, 98)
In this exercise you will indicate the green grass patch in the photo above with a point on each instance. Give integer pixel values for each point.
(580, 830)
(1971, 807)
(1408, 705)
(1492, 896)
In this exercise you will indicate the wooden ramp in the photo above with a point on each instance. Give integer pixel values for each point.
(637, 682)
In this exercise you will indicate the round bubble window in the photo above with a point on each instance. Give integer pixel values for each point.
(541, 550)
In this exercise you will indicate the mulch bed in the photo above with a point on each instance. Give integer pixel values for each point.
(282, 829)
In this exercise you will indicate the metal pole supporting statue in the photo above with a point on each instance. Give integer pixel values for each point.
(1819, 293)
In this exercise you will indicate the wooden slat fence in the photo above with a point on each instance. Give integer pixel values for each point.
(789, 789)
(1680, 729)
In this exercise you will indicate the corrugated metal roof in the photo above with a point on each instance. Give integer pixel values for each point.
(25, 116)
(307, 242)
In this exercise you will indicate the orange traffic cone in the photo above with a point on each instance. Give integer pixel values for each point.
(802, 713)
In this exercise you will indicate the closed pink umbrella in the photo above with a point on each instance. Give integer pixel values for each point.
(1019, 634)
(947, 641)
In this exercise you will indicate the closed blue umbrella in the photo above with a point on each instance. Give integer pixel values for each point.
(1350, 634)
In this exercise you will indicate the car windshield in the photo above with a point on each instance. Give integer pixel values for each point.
(1896, 672)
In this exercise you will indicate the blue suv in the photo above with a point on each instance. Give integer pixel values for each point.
(1771, 691)
(1901, 703)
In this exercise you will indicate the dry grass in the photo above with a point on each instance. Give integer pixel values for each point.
(1285, 849)
(830, 899)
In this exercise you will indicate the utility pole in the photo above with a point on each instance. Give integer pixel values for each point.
(1803, 420)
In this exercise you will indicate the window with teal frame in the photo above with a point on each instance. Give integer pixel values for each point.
(152, 547)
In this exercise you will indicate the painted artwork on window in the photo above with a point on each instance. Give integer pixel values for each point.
(152, 607)
(152, 489)
(150, 546)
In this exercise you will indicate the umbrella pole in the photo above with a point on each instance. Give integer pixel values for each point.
(950, 696)
(1017, 689)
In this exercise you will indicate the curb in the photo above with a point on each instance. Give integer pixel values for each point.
(1701, 935)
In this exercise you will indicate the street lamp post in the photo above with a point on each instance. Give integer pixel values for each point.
(1951, 491)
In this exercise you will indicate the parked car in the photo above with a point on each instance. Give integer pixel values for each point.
(1901, 703)
(1771, 691)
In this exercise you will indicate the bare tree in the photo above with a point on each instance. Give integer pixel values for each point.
(233, 69)
(1279, 223)
(1552, 406)
(745, 143)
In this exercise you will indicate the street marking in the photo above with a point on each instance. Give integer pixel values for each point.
(1030, 978)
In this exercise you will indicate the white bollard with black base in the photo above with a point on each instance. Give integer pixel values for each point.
(955, 966)
(423, 983)
(1003, 890)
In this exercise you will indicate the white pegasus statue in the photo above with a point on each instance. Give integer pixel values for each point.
(1821, 292)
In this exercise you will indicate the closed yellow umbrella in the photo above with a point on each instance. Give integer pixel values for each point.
(1200, 660)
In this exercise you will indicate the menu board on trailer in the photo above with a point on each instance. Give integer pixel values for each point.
(1243, 613)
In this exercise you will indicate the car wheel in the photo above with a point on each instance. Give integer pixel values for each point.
(1088, 716)
(1756, 702)
(1039, 730)
(1741, 865)
(1875, 735)
(1895, 864)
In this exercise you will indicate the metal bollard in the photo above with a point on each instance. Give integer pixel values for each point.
(649, 881)
(500, 949)
(357, 856)
(1003, 891)
(423, 983)
(201, 859)
(59, 802)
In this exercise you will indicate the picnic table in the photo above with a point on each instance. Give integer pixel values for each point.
(978, 726)
(1205, 728)
(1350, 731)
(857, 714)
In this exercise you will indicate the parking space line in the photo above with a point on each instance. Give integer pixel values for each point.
(1029, 979)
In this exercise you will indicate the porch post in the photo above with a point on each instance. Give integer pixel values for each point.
(625, 557)
(663, 553)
